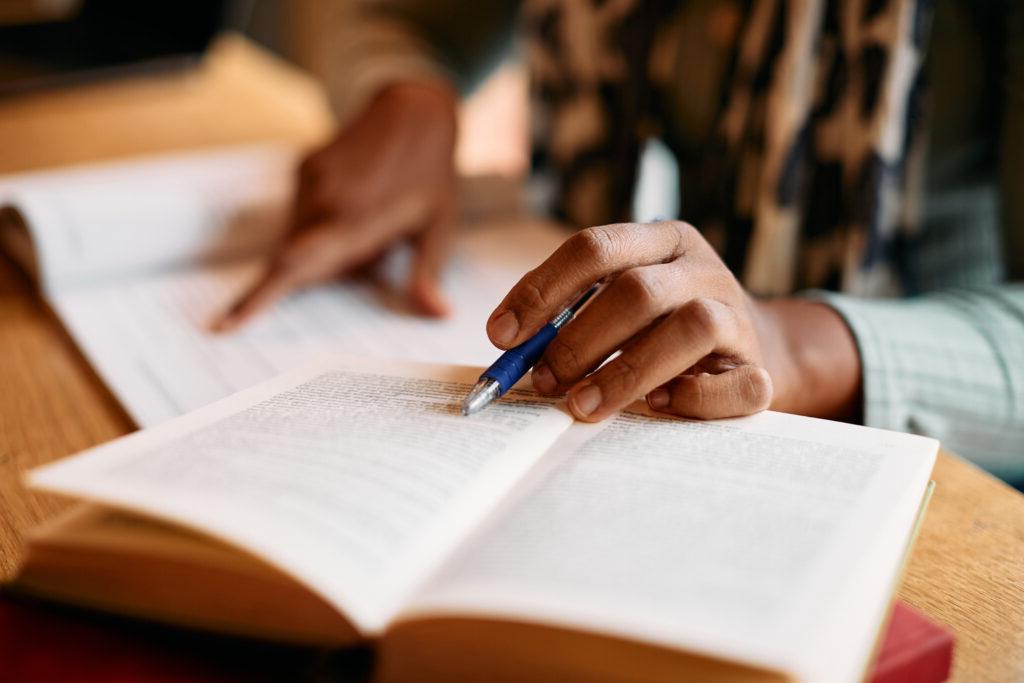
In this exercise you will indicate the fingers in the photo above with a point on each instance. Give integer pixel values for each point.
(582, 260)
(696, 329)
(268, 290)
(430, 253)
(629, 304)
(741, 391)
(289, 271)
(322, 251)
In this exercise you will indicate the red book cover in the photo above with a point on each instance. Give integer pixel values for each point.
(914, 650)
(40, 642)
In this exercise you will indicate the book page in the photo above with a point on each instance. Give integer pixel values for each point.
(771, 540)
(109, 223)
(150, 340)
(356, 477)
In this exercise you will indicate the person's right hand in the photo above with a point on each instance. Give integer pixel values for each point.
(386, 178)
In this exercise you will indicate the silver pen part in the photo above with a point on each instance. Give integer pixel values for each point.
(562, 318)
(488, 389)
(569, 313)
(485, 391)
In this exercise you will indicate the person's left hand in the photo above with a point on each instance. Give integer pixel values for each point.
(691, 339)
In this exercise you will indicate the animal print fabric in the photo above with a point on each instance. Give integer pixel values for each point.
(811, 174)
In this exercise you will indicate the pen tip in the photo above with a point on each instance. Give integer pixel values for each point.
(485, 391)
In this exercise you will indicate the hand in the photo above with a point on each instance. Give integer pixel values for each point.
(692, 340)
(386, 178)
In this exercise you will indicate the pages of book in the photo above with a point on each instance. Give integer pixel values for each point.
(138, 259)
(355, 477)
(773, 539)
(105, 224)
(150, 341)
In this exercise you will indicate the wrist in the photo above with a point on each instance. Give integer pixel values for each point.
(432, 104)
(777, 355)
(812, 358)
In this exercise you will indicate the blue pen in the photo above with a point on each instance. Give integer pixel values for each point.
(516, 362)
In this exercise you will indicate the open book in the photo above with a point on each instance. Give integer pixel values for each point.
(138, 257)
(350, 501)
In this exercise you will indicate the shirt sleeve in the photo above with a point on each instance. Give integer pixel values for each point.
(949, 365)
(366, 44)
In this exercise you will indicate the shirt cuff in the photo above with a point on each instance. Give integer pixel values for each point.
(948, 365)
(383, 52)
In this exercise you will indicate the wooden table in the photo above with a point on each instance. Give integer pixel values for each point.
(967, 570)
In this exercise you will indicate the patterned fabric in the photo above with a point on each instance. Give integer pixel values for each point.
(948, 363)
(813, 171)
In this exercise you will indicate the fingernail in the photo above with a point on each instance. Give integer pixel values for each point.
(658, 398)
(586, 400)
(504, 328)
(543, 380)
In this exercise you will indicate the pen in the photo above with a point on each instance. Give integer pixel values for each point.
(514, 363)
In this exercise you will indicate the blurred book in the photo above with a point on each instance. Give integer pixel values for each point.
(101, 649)
(137, 258)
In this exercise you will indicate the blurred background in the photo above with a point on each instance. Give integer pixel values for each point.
(47, 44)
(60, 44)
